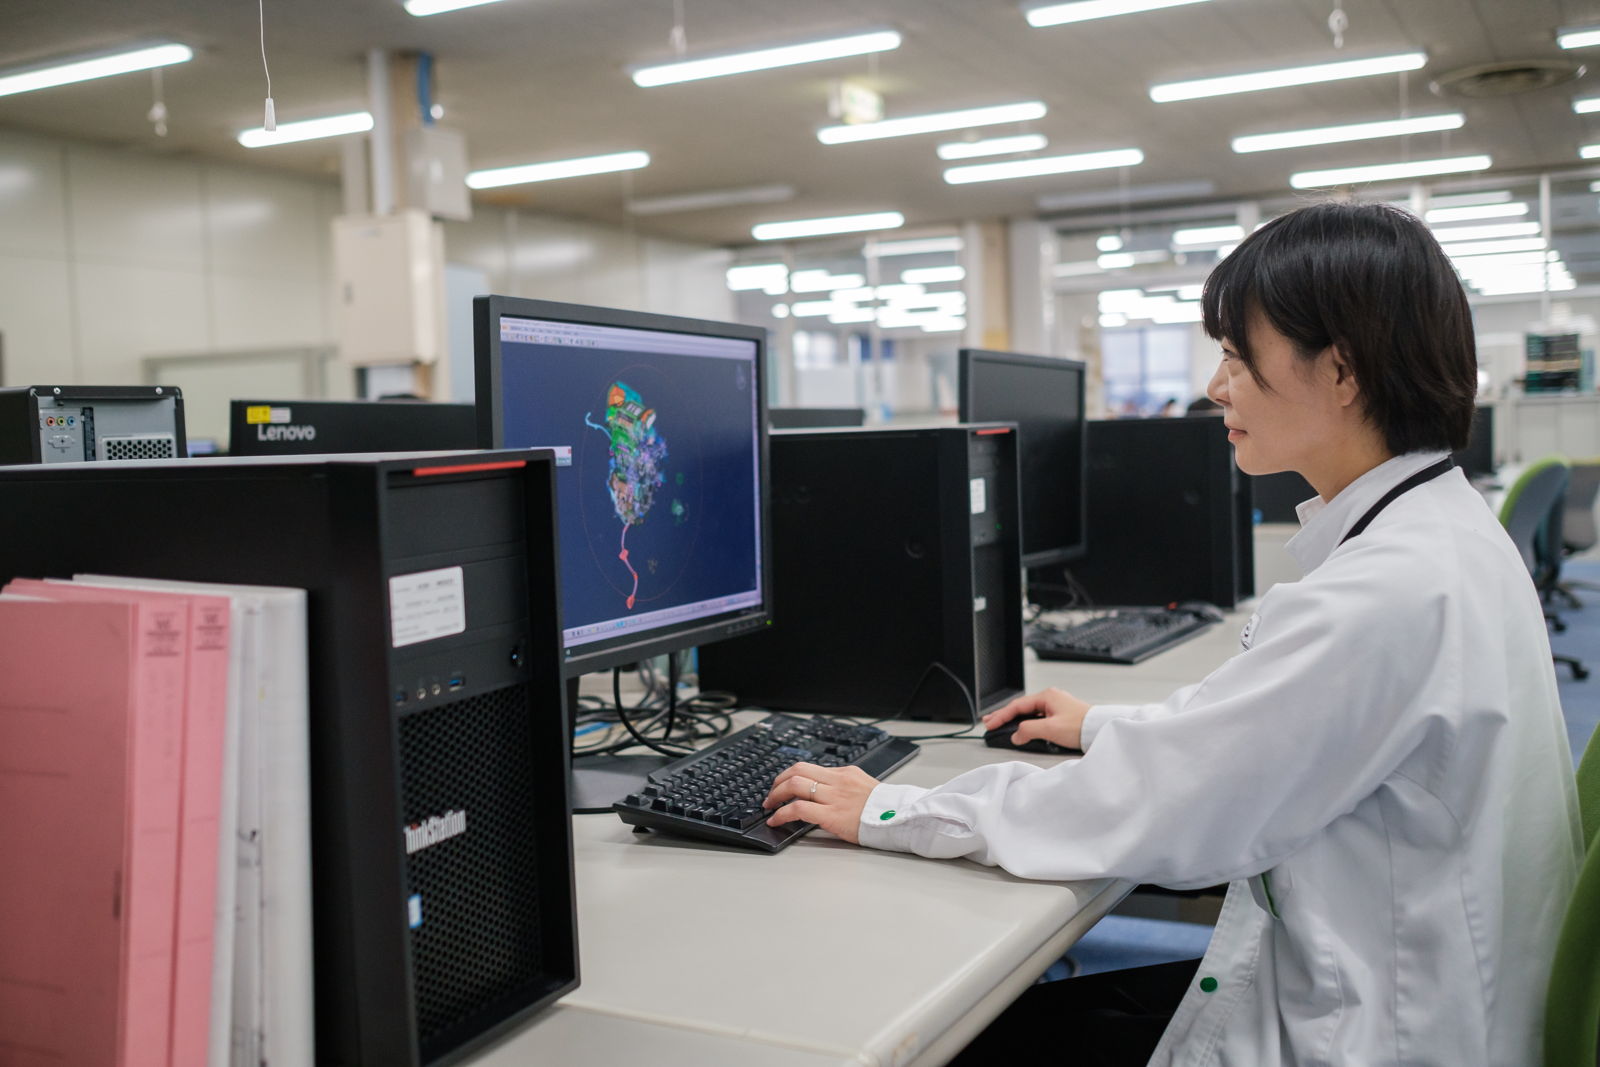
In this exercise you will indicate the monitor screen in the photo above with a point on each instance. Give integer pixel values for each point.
(1044, 396)
(660, 427)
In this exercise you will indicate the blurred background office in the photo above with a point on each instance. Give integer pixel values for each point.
(1042, 178)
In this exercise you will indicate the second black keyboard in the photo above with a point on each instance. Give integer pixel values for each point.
(715, 794)
(1128, 636)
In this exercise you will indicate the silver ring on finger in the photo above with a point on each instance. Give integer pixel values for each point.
(813, 794)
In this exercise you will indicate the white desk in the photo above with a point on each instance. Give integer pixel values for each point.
(687, 957)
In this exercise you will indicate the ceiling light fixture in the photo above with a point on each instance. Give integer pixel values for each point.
(994, 146)
(1208, 235)
(1590, 151)
(1586, 105)
(755, 194)
(307, 130)
(1084, 10)
(1496, 196)
(1475, 212)
(1490, 232)
(1033, 168)
(914, 246)
(932, 275)
(1493, 248)
(556, 169)
(857, 44)
(103, 66)
(1313, 179)
(423, 8)
(1360, 131)
(1108, 243)
(1279, 79)
(932, 123)
(1578, 38)
(779, 231)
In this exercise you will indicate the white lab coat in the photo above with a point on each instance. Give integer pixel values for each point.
(1382, 774)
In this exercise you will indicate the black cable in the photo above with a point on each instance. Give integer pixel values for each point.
(672, 691)
(616, 692)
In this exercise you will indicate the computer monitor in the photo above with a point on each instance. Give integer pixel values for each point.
(1044, 396)
(661, 428)
(1477, 459)
(815, 418)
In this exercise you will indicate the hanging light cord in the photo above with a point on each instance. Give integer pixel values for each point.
(271, 122)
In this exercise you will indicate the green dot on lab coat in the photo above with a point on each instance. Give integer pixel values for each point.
(1208, 984)
(886, 816)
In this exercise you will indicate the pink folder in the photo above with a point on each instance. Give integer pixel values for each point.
(89, 776)
(200, 797)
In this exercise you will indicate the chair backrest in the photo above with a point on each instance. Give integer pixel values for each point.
(1578, 531)
(1531, 505)
(1572, 1004)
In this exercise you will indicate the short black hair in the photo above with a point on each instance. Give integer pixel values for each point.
(1371, 280)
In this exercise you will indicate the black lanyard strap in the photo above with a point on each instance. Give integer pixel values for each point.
(1426, 474)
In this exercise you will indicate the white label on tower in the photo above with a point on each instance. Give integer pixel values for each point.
(426, 605)
(980, 496)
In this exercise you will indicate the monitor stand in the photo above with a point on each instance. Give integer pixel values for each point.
(597, 782)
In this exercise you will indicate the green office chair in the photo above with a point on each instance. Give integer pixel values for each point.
(1531, 515)
(1572, 1006)
(1578, 531)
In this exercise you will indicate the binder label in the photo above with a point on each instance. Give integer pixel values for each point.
(427, 605)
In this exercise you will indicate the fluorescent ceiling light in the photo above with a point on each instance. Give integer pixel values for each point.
(1115, 260)
(933, 275)
(1207, 235)
(1580, 38)
(1084, 10)
(1590, 151)
(858, 44)
(1594, 187)
(755, 194)
(843, 316)
(1109, 243)
(1190, 292)
(780, 311)
(943, 325)
(1033, 168)
(1496, 196)
(1488, 232)
(932, 123)
(779, 231)
(852, 296)
(82, 70)
(822, 281)
(307, 130)
(1279, 79)
(423, 8)
(807, 309)
(555, 169)
(1182, 312)
(994, 146)
(1077, 268)
(1493, 248)
(1360, 131)
(903, 291)
(1131, 194)
(914, 246)
(770, 278)
(1586, 105)
(1112, 320)
(1477, 211)
(1313, 179)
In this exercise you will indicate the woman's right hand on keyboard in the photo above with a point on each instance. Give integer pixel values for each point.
(830, 797)
(1060, 717)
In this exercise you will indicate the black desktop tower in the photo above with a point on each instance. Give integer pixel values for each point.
(307, 427)
(1169, 514)
(75, 423)
(897, 581)
(425, 948)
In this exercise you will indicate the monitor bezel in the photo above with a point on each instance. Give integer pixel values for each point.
(965, 359)
(486, 314)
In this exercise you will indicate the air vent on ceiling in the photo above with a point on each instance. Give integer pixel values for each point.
(1507, 78)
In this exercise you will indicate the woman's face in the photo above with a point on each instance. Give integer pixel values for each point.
(1291, 420)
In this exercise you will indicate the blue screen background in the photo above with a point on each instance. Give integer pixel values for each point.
(705, 412)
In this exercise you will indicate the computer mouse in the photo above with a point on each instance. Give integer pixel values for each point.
(1209, 612)
(1000, 737)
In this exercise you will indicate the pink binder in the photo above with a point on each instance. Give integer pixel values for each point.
(89, 771)
(200, 797)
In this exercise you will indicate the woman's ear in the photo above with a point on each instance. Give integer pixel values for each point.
(1345, 385)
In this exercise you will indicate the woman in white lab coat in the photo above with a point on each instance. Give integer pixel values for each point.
(1382, 771)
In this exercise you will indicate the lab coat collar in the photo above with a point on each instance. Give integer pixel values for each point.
(1323, 523)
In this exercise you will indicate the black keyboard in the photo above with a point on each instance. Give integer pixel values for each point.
(716, 793)
(1131, 635)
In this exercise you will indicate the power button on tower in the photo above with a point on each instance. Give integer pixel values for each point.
(517, 656)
